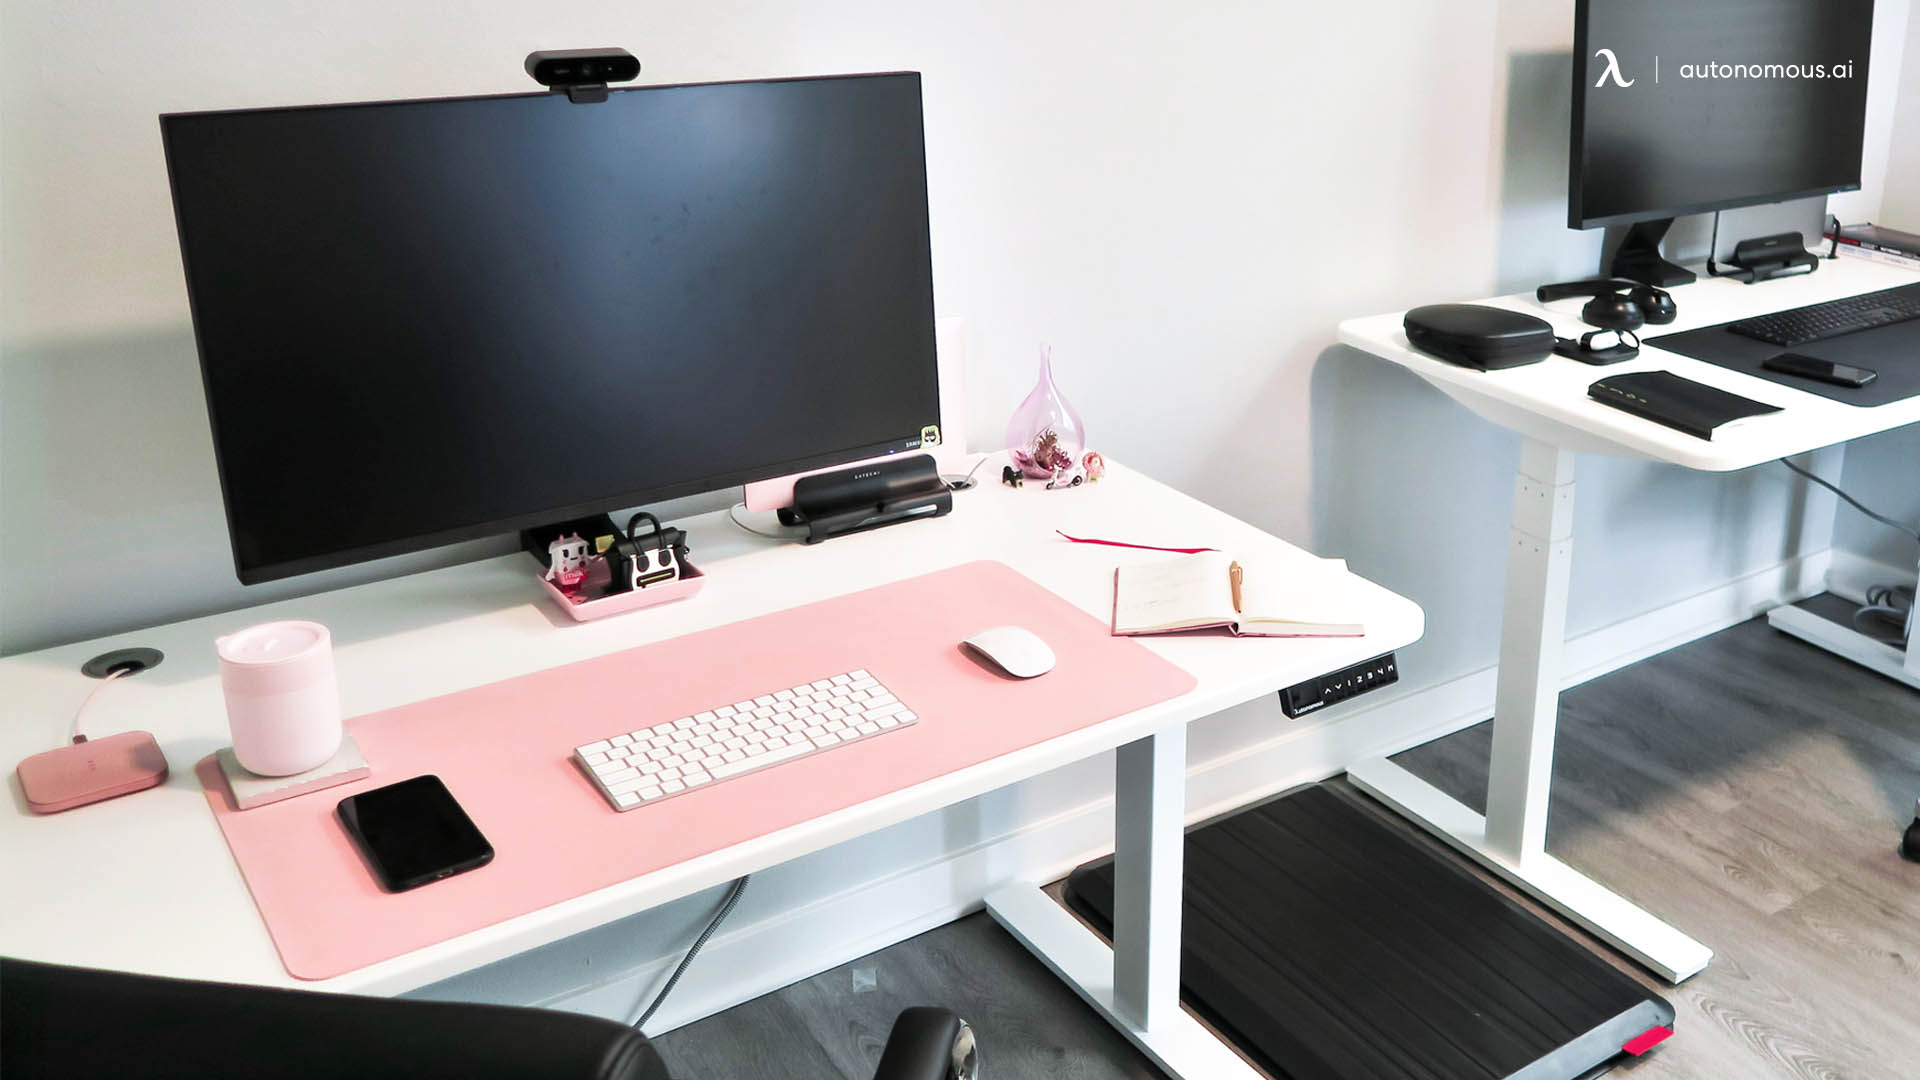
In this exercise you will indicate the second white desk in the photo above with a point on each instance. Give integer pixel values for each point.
(1547, 404)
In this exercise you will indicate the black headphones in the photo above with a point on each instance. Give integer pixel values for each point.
(1617, 304)
(1619, 307)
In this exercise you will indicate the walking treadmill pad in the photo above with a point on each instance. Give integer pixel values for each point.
(1328, 945)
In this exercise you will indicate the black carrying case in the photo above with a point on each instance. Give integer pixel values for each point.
(1479, 337)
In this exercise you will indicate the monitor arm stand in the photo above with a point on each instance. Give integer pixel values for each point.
(1638, 256)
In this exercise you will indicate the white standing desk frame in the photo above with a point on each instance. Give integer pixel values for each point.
(1548, 406)
(1896, 663)
(1135, 983)
(1511, 840)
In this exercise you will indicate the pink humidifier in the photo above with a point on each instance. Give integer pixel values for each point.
(283, 703)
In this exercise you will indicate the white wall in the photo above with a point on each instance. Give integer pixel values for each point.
(1900, 194)
(1183, 199)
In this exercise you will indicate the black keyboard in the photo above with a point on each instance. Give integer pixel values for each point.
(1818, 322)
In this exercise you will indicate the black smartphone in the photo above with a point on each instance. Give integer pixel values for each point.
(1827, 371)
(413, 833)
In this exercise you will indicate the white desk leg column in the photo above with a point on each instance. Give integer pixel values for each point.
(1149, 808)
(1136, 983)
(1910, 660)
(1511, 839)
(1533, 628)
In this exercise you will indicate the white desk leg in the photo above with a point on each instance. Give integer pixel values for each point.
(1135, 984)
(1533, 628)
(1149, 811)
(1511, 839)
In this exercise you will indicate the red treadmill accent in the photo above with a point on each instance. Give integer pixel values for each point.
(1642, 1043)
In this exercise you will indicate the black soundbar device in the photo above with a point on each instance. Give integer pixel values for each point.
(863, 497)
(1302, 698)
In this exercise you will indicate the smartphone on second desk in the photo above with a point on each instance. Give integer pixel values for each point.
(1826, 371)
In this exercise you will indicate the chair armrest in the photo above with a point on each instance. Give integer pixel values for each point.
(922, 1046)
(69, 1022)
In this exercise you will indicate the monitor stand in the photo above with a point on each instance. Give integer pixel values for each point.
(1638, 256)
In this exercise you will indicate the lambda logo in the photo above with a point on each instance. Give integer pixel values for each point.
(1613, 70)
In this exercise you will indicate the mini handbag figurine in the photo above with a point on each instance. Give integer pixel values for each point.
(639, 560)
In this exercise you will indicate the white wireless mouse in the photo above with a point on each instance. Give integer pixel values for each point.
(1014, 650)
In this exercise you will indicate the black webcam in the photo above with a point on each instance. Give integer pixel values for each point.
(582, 73)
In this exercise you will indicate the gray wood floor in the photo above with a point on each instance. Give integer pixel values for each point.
(1750, 789)
(1030, 1025)
(1747, 787)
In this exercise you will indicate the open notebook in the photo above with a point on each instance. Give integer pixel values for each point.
(1296, 598)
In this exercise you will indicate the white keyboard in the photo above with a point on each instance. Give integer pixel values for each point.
(635, 768)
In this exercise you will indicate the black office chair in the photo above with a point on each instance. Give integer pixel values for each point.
(76, 1022)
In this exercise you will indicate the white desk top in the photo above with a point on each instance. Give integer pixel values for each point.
(145, 883)
(1548, 401)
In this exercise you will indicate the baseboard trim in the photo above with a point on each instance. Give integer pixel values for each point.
(746, 961)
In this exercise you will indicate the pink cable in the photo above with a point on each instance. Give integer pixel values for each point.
(1142, 547)
(82, 711)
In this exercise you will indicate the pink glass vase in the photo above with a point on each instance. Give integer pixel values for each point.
(1045, 436)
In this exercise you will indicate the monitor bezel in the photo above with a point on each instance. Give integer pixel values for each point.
(908, 442)
(1576, 144)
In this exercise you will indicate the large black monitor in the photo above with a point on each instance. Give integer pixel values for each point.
(427, 321)
(1686, 106)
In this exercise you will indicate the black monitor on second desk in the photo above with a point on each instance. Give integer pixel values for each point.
(427, 321)
(1689, 106)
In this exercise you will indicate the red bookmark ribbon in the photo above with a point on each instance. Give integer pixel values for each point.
(1142, 547)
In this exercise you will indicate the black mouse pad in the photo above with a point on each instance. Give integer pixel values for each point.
(1893, 351)
(1328, 945)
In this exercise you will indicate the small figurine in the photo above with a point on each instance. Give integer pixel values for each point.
(567, 562)
(651, 566)
(1065, 478)
(1095, 466)
(1011, 477)
(639, 560)
(598, 582)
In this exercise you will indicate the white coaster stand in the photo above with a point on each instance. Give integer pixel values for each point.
(250, 789)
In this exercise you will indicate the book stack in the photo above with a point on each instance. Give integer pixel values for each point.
(1876, 243)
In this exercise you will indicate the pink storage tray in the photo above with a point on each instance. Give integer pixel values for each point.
(690, 582)
(503, 749)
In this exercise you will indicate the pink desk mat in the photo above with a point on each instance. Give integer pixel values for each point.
(503, 749)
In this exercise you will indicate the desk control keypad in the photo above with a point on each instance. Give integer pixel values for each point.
(1302, 698)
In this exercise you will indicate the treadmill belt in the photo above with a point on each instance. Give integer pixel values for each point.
(1329, 946)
